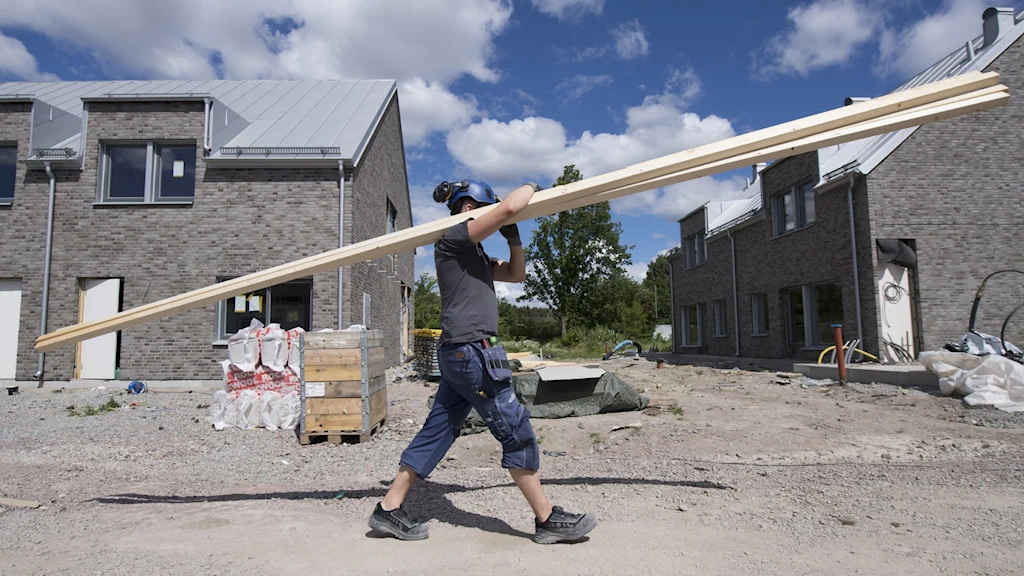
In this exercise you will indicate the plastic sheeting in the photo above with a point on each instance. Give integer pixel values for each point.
(982, 380)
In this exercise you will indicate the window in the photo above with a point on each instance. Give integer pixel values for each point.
(826, 311)
(148, 173)
(720, 318)
(392, 226)
(696, 253)
(759, 309)
(289, 304)
(693, 325)
(8, 169)
(794, 209)
(796, 319)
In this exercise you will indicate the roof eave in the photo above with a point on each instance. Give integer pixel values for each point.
(277, 163)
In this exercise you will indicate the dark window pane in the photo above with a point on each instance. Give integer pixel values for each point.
(808, 193)
(290, 304)
(178, 172)
(240, 311)
(829, 300)
(127, 172)
(796, 317)
(694, 325)
(8, 167)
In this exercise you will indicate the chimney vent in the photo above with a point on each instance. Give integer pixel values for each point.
(996, 22)
(757, 168)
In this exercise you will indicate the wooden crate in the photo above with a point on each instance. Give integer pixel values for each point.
(343, 394)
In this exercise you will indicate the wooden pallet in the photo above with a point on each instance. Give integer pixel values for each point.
(349, 436)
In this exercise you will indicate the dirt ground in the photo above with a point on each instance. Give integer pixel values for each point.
(746, 476)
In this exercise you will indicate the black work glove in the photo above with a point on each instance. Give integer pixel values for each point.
(511, 233)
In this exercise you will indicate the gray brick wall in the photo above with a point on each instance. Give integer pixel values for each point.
(380, 177)
(703, 284)
(954, 187)
(819, 253)
(23, 233)
(242, 221)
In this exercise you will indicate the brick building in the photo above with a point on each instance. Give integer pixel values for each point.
(889, 235)
(163, 187)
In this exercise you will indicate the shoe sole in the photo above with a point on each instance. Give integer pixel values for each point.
(385, 528)
(583, 527)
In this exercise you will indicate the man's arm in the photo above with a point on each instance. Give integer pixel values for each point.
(489, 223)
(515, 269)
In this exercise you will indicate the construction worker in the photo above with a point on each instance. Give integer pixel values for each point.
(475, 371)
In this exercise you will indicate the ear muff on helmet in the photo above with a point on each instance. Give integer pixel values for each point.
(475, 190)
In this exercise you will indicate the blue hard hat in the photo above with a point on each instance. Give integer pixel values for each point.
(476, 190)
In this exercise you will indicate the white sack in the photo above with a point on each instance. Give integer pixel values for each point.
(242, 350)
(248, 410)
(982, 380)
(294, 359)
(270, 410)
(289, 411)
(274, 348)
(217, 408)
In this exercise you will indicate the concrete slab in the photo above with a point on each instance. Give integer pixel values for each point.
(906, 375)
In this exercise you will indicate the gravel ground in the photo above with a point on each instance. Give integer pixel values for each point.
(745, 476)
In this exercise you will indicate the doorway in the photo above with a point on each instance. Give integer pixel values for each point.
(97, 357)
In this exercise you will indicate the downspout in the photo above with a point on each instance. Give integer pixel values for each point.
(853, 251)
(207, 125)
(735, 295)
(341, 231)
(672, 304)
(46, 273)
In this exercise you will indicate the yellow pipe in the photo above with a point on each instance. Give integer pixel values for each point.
(831, 348)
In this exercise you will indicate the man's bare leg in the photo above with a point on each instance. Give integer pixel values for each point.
(528, 482)
(400, 487)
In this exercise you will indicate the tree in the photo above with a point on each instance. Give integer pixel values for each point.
(657, 291)
(571, 253)
(427, 302)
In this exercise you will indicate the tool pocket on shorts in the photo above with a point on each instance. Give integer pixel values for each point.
(497, 366)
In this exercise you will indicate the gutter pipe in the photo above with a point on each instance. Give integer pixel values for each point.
(672, 303)
(341, 232)
(735, 295)
(41, 370)
(853, 251)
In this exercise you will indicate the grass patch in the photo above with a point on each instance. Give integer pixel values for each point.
(595, 437)
(110, 406)
(676, 410)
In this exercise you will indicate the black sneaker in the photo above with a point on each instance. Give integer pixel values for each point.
(563, 526)
(397, 523)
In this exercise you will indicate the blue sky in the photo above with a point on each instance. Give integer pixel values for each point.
(511, 91)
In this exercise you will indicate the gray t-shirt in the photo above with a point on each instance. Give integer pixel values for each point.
(465, 278)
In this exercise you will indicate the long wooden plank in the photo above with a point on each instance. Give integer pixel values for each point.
(352, 388)
(342, 356)
(340, 372)
(763, 144)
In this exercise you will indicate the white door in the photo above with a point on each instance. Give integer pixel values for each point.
(10, 317)
(98, 356)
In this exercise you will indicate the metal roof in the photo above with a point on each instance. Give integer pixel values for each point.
(866, 154)
(249, 120)
(724, 215)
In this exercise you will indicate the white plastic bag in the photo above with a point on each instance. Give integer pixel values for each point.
(242, 349)
(274, 348)
(982, 380)
(270, 410)
(217, 408)
(294, 358)
(289, 410)
(248, 410)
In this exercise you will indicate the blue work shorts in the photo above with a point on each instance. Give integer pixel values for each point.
(474, 377)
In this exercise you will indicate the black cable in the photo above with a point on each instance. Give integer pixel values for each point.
(980, 292)
(1002, 331)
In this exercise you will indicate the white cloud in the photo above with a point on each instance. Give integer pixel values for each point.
(507, 153)
(827, 33)
(568, 9)
(424, 209)
(909, 50)
(631, 40)
(298, 39)
(428, 108)
(637, 271)
(574, 88)
(16, 60)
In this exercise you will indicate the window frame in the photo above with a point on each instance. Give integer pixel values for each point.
(699, 254)
(759, 300)
(800, 194)
(721, 318)
(152, 179)
(698, 310)
(221, 320)
(13, 146)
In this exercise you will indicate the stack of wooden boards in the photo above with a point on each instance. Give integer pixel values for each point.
(948, 98)
(343, 394)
